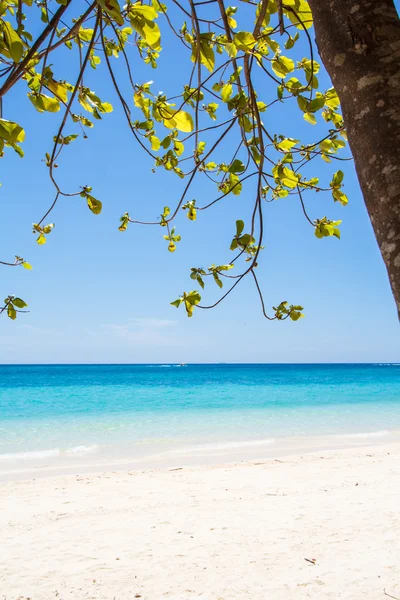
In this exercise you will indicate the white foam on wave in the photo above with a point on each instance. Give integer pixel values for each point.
(52, 453)
(221, 446)
(362, 435)
(80, 450)
(30, 455)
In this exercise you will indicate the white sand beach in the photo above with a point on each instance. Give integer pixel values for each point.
(324, 525)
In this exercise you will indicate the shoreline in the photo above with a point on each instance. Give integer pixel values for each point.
(17, 468)
(325, 524)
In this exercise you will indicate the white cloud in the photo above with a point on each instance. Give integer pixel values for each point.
(146, 331)
(149, 323)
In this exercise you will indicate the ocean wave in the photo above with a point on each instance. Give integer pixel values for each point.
(80, 450)
(220, 446)
(51, 453)
(370, 434)
(167, 366)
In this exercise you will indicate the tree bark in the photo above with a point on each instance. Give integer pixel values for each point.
(359, 43)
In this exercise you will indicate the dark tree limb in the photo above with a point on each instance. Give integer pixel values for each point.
(359, 43)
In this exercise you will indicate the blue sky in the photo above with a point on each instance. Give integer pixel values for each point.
(98, 295)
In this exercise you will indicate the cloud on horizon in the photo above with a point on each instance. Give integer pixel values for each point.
(145, 330)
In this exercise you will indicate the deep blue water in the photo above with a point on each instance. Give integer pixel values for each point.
(45, 408)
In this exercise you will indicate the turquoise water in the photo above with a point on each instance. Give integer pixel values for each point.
(134, 410)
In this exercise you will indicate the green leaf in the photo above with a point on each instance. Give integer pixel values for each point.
(148, 12)
(310, 117)
(177, 302)
(155, 143)
(193, 297)
(317, 103)
(246, 239)
(281, 66)
(48, 228)
(287, 144)
(166, 142)
(13, 41)
(19, 303)
(239, 227)
(237, 167)
(302, 103)
(295, 315)
(217, 280)
(340, 197)
(244, 40)
(178, 147)
(326, 228)
(226, 92)
(94, 204)
(332, 99)
(112, 8)
(124, 220)
(180, 120)
(207, 56)
(44, 103)
(231, 49)
(291, 41)
(235, 185)
(289, 178)
(11, 132)
(301, 17)
(338, 178)
(11, 312)
(201, 146)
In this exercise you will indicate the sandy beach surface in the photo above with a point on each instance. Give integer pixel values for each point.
(324, 525)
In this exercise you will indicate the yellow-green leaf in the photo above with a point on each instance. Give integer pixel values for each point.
(310, 117)
(301, 15)
(13, 41)
(226, 92)
(231, 50)
(146, 11)
(11, 312)
(281, 66)
(155, 142)
(112, 8)
(340, 197)
(19, 303)
(94, 204)
(11, 132)
(287, 144)
(207, 56)
(289, 178)
(44, 103)
(178, 147)
(244, 40)
(332, 99)
(180, 120)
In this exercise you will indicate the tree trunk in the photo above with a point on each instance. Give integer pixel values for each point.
(359, 43)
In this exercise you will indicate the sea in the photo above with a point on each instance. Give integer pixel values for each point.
(56, 418)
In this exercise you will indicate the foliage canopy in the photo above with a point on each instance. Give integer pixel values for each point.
(240, 68)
